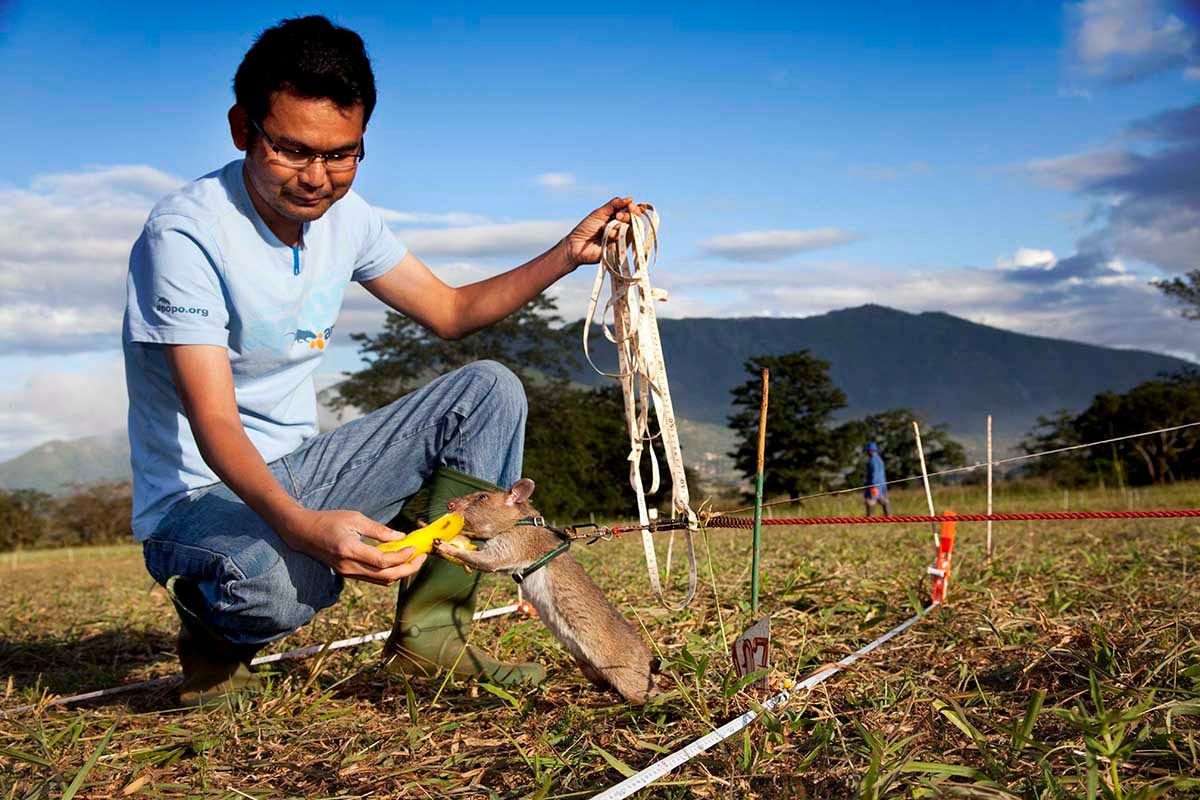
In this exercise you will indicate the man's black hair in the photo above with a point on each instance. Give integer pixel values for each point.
(311, 57)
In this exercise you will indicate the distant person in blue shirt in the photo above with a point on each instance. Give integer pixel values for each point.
(876, 482)
(249, 516)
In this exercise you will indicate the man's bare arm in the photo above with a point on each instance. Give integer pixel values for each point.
(454, 312)
(204, 380)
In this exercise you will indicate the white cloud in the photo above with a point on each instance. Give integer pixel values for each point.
(64, 250)
(1118, 280)
(1075, 92)
(132, 183)
(1126, 40)
(63, 404)
(567, 183)
(1192, 73)
(1145, 201)
(1072, 172)
(453, 218)
(1027, 257)
(1165, 233)
(555, 181)
(883, 173)
(515, 239)
(775, 245)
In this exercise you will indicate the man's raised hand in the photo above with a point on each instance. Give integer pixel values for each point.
(583, 243)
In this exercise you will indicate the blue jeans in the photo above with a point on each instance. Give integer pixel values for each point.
(255, 587)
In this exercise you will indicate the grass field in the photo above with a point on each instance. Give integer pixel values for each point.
(1069, 667)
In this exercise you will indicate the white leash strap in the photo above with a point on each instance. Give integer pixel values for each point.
(642, 374)
(657, 770)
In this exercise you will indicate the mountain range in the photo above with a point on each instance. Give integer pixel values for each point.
(949, 370)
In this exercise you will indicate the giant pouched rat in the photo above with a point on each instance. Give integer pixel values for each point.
(608, 650)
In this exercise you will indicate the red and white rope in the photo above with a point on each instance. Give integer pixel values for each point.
(745, 522)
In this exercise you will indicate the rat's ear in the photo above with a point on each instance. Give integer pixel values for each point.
(520, 492)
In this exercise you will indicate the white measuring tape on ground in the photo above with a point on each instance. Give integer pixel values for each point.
(658, 769)
(627, 251)
(303, 652)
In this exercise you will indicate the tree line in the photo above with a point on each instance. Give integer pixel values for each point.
(577, 444)
(806, 451)
(1166, 402)
(94, 514)
(1173, 455)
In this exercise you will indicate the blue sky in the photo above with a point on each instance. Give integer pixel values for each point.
(987, 160)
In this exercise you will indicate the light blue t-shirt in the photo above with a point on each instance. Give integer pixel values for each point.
(208, 270)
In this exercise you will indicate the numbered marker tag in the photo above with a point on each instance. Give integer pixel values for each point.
(752, 651)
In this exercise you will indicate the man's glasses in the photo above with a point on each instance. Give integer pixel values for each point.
(300, 159)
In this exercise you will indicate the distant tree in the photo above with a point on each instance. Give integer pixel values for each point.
(404, 356)
(577, 449)
(847, 441)
(1185, 290)
(576, 444)
(802, 453)
(1151, 405)
(24, 518)
(1054, 433)
(892, 431)
(96, 513)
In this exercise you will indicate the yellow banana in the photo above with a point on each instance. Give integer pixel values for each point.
(421, 540)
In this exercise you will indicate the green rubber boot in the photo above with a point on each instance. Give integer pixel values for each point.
(215, 670)
(435, 607)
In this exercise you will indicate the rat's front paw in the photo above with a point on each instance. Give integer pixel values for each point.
(455, 551)
(447, 551)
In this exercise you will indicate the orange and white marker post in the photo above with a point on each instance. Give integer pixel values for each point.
(941, 565)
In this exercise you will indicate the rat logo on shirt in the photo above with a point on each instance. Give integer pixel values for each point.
(290, 329)
(316, 341)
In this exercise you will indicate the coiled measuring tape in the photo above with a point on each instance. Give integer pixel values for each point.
(627, 251)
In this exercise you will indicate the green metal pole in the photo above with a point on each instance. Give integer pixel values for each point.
(758, 494)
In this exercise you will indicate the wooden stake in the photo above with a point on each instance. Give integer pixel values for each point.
(989, 487)
(758, 492)
(925, 477)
